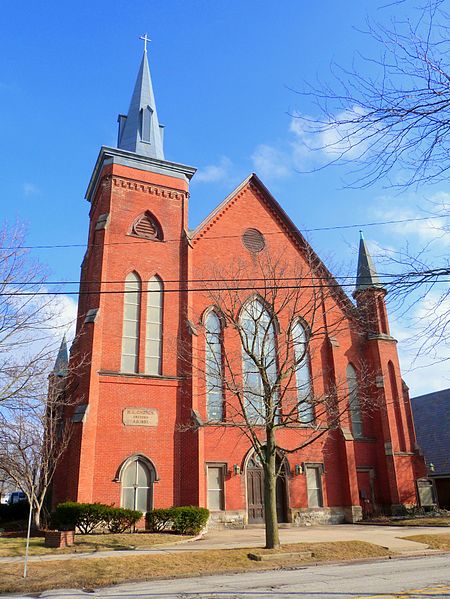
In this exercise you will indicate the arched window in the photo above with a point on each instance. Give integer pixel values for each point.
(137, 478)
(259, 360)
(303, 373)
(146, 123)
(353, 400)
(397, 409)
(130, 332)
(153, 340)
(214, 371)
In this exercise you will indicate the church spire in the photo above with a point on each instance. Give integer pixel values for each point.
(62, 359)
(139, 130)
(366, 277)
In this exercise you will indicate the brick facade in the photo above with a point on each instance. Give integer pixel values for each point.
(382, 466)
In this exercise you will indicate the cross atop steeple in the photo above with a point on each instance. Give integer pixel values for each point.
(145, 39)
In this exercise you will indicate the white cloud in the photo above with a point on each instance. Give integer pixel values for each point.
(214, 172)
(30, 189)
(271, 163)
(424, 231)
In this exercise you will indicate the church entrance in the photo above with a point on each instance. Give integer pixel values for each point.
(255, 492)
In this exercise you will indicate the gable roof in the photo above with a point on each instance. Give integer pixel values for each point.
(432, 422)
(285, 222)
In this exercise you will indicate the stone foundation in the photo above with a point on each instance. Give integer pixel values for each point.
(353, 513)
(227, 519)
(315, 516)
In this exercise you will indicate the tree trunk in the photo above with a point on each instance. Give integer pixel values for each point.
(270, 494)
(36, 521)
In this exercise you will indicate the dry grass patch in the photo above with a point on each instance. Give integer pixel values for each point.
(421, 522)
(88, 573)
(12, 547)
(434, 541)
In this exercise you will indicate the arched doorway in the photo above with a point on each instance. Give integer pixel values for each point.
(255, 491)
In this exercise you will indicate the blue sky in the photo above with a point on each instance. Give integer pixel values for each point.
(223, 74)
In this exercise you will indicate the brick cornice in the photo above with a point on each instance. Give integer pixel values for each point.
(150, 188)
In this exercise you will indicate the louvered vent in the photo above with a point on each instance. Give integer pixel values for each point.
(253, 240)
(146, 227)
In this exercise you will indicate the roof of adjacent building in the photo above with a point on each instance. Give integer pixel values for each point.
(432, 421)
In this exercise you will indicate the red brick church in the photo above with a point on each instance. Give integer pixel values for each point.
(152, 427)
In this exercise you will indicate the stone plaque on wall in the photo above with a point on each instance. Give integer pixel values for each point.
(140, 417)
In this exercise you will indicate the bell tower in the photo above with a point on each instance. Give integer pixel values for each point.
(131, 314)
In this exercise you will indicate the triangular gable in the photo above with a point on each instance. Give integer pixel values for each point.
(286, 224)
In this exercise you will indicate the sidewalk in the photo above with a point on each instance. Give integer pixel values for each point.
(390, 537)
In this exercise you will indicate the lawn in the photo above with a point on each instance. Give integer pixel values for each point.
(95, 572)
(88, 543)
(434, 541)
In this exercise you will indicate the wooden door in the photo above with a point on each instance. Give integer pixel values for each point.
(255, 492)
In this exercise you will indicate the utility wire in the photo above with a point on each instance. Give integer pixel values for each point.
(436, 272)
(210, 238)
(201, 290)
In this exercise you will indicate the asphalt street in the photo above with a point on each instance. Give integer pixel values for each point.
(410, 578)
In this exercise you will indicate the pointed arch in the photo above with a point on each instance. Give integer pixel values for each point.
(300, 341)
(214, 366)
(137, 475)
(353, 400)
(147, 226)
(154, 326)
(131, 321)
(259, 357)
(397, 409)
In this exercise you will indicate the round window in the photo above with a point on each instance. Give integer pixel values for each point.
(253, 240)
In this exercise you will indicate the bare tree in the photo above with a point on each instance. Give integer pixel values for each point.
(259, 379)
(33, 438)
(28, 320)
(392, 110)
(387, 118)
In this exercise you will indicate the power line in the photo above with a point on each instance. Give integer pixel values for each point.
(200, 290)
(436, 272)
(210, 238)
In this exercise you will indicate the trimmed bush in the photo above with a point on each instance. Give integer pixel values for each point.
(180, 520)
(121, 519)
(87, 517)
(84, 516)
(159, 520)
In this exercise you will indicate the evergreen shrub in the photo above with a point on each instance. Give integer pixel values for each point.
(180, 520)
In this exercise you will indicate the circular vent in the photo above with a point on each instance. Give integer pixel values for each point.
(253, 240)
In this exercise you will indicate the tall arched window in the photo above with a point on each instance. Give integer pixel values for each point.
(303, 373)
(137, 479)
(259, 360)
(153, 339)
(353, 400)
(397, 409)
(130, 332)
(214, 371)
